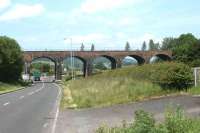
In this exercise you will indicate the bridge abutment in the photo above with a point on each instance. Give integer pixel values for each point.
(58, 69)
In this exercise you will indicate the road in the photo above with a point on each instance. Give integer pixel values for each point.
(31, 110)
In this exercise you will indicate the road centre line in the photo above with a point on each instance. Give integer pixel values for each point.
(5, 104)
(45, 125)
(21, 97)
(31, 93)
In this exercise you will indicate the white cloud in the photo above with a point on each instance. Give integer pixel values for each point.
(93, 6)
(20, 11)
(4, 3)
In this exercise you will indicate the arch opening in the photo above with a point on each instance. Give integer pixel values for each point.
(43, 68)
(132, 60)
(103, 63)
(159, 58)
(74, 66)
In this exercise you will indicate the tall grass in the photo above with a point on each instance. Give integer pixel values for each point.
(112, 87)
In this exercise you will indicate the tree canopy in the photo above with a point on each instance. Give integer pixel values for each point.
(92, 47)
(82, 47)
(11, 60)
(153, 46)
(185, 48)
(127, 47)
(144, 46)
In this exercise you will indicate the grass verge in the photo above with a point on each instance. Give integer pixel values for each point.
(194, 90)
(5, 88)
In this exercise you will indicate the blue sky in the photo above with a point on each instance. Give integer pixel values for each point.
(40, 25)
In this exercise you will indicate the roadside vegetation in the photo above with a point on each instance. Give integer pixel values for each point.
(11, 65)
(11, 60)
(136, 83)
(128, 84)
(5, 87)
(175, 122)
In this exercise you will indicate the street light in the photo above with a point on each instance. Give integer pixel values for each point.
(71, 58)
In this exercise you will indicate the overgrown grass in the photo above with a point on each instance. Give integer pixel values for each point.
(175, 122)
(124, 85)
(194, 90)
(5, 87)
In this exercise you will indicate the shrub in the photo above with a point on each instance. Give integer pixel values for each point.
(175, 122)
(172, 75)
(144, 122)
(166, 74)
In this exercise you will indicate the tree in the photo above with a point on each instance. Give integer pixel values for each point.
(153, 46)
(127, 46)
(92, 47)
(157, 46)
(11, 60)
(168, 43)
(82, 47)
(184, 48)
(144, 46)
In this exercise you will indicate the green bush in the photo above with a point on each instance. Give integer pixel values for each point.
(166, 74)
(172, 75)
(175, 122)
(144, 122)
(11, 60)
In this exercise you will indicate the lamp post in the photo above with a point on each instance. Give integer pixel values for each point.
(71, 58)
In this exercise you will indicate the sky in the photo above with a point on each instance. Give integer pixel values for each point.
(108, 24)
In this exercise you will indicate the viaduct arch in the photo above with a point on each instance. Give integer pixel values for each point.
(87, 58)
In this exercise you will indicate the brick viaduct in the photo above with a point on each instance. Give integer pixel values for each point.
(87, 58)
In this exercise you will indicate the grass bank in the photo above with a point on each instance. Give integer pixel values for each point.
(4, 87)
(194, 90)
(124, 85)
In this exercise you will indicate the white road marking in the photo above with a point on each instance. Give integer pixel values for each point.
(31, 93)
(45, 125)
(38, 90)
(21, 97)
(57, 105)
(5, 104)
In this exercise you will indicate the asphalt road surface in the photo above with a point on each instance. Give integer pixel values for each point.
(32, 110)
